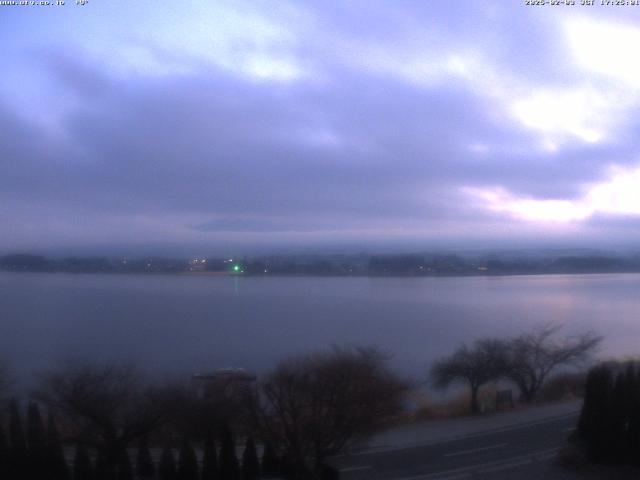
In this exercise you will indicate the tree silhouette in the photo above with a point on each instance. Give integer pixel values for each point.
(18, 460)
(229, 468)
(167, 467)
(288, 468)
(82, 468)
(634, 422)
(109, 403)
(144, 463)
(618, 420)
(250, 463)
(270, 461)
(4, 452)
(56, 463)
(483, 362)
(632, 413)
(187, 463)
(532, 356)
(125, 471)
(609, 421)
(329, 473)
(317, 405)
(210, 459)
(37, 446)
(102, 470)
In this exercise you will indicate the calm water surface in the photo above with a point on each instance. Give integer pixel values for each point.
(183, 324)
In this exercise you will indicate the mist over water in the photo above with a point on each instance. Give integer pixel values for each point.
(184, 324)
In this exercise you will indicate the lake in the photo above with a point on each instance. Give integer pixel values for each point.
(185, 324)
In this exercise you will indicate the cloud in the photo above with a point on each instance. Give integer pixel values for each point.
(618, 196)
(312, 122)
(607, 48)
(584, 114)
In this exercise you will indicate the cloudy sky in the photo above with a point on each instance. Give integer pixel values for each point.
(206, 125)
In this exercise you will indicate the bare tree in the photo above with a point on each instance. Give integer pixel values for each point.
(483, 362)
(533, 355)
(318, 405)
(106, 406)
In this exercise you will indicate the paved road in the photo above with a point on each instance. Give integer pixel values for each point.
(482, 455)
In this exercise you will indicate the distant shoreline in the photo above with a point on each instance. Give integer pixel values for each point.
(310, 275)
(334, 265)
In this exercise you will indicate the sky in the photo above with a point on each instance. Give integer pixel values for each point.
(211, 126)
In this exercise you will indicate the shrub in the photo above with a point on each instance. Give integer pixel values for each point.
(609, 423)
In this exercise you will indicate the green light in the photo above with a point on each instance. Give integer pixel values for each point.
(236, 268)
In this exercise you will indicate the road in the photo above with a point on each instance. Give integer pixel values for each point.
(494, 454)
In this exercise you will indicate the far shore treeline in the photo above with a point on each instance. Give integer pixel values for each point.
(504, 263)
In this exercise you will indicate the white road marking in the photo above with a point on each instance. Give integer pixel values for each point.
(474, 450)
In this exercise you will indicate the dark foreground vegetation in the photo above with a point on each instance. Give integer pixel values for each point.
(109, 422)
(338, 265)
(106, 422)
(609, 427)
